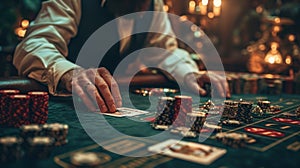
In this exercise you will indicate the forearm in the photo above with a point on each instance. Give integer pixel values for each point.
(42, 53)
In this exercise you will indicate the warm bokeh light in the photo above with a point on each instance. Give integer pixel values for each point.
(277, 20)
(259, 9)
(204, 2)
(274, 56)
(210, 15)
(217, 3)
(20, 32)
(291, 37)
(183, 18)
(24, 23)
(166, 8)
(262, 47)
(288, 60)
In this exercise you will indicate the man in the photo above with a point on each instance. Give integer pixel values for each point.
(62, 27)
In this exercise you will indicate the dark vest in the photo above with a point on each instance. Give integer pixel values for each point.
(93, 17)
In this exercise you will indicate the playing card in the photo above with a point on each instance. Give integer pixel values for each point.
(126, 112)
(190, 151)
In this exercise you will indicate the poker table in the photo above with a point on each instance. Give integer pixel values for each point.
(266, 152)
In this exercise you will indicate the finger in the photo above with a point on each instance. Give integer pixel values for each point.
(218, 86)
(105, 74)
(94, 94)
(225, 85)
(195, 87)
(83, 96)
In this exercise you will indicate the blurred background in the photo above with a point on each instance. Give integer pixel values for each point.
(252, 36)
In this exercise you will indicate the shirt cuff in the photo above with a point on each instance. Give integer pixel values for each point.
(54, 74)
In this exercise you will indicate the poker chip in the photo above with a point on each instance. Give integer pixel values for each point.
(30, 131)
(10, 148)
(196, 121)
(18, 110)
(264, 105)
(40, 147)
(182, 106)
(183, 131)
(165, 114)
(4, 113)
(87, 159)
(214, 127)
(232, 139)
(257, 112)
(244, 112)
(58, 131)
(230, 109)
(232, 122)
(38, 107)
(155, 91)
(160, 127)
(274, 109)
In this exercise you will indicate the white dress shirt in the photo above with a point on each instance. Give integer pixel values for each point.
(42, 54)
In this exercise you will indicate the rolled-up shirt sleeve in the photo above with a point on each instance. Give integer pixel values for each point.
(177, 62)
(41, 55)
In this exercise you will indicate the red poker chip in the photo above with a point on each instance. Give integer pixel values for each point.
(38, 107)
(287, 120)
(264, 132)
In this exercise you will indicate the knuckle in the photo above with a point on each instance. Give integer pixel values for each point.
(102, 86)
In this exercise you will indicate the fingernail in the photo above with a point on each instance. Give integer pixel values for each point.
(119, 104)
(113, 108)
(103, 109)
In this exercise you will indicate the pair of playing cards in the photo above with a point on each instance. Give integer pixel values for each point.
(190, 151)
(126, 112)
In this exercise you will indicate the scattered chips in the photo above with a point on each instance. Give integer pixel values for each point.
(10, 148)
(58, 131)
(40, 147)
(87, 159)
(233, 139)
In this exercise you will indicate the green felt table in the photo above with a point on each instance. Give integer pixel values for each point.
(267, 152)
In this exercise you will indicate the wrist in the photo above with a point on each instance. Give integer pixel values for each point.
(65, 82)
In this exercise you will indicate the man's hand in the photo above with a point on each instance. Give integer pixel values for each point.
(195, 83)
(96, 87)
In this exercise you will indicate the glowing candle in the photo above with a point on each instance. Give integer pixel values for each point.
(217, 7)
(192, 6)
(203, 7)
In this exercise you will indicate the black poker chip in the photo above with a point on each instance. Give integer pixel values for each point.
(39, 147)
(85, 159)
(10, 148)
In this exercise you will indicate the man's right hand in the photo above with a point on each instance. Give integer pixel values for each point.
(96, 87)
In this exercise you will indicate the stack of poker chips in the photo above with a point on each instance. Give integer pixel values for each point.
(30, 131)
(244, 112)
(39, 107)
(232, 139)
(196, 120)
(230, 109)
(182, 106)
(22, 109)
(264, 105)
(165, 112)
(87, 159)
(4, 113)
(40, 147)
(10, 148)
(257, 112)
(18, 110)
(58, 131)
(274, 109)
